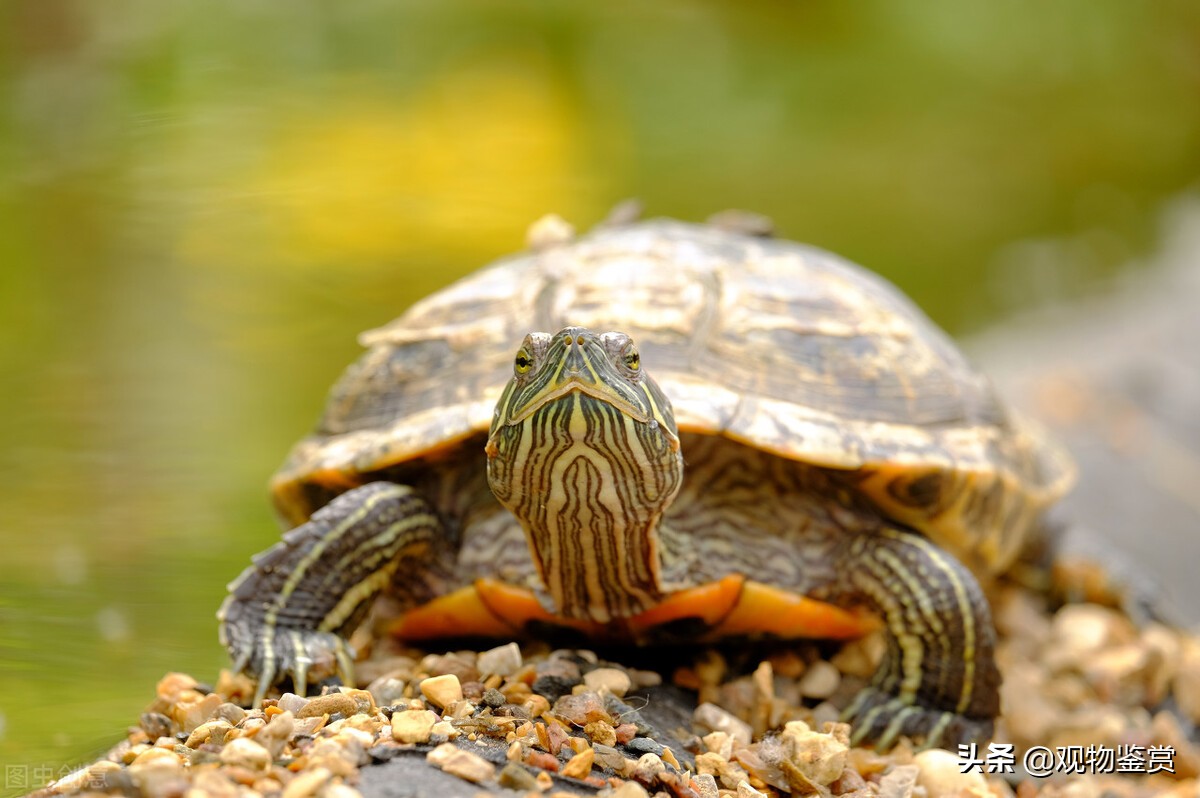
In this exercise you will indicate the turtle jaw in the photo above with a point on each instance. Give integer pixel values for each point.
(585, 453)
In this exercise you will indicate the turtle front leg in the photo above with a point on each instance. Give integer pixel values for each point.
(289, 613)
(938, 682)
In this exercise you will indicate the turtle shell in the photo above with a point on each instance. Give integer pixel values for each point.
(776, 345)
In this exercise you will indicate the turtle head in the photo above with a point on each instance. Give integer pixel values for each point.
(584, 451)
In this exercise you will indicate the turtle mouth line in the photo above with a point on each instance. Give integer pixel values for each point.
(573, 384)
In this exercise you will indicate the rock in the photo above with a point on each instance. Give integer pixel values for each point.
(463, 764)
(941, 774)
(861, 657)
(612, 680)
(648, 768)
(645, 745)
(444, 728)
(744, 790)
(1078, 631)
(156, 725)
(158, 776)
(341, 754)
(173, 686)
(290, 702)
(1186, 682)
(413, 725)
(190, 714)
(331, 704)
(580, 765)
(718, 743)
(1163, 648)
(711, 717)
(820, 680)
(516, 777)
(246, 753)
(231, 713)
(821, 758)
(609, 758)
(493, 698)
(726, 772)
(599, 731)
(442, 691)
(275, 735)
(706, 785)
(215, 731)
(625, 732)
(581, 709)
(212, 783)
(460, 664)
(307, 783)
(899, 782)
(387, 690)
(629, 789)
(156, 755)
(555, 678)
(1166, 731)
(500, 661)
(1120, 674)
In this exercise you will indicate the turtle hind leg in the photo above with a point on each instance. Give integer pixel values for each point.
(290, 612)
(938, 683)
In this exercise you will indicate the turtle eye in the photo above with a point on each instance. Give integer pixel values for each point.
(523, 362)
(633, 361)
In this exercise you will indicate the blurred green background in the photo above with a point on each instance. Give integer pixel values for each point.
(201, 204)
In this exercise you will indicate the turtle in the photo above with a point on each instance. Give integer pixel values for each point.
(661, 431)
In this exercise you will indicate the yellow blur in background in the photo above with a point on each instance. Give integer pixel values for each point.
(201, 205)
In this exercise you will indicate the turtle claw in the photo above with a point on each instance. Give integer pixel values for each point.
(273, 655)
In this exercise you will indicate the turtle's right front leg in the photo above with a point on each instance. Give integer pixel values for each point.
(289, 613)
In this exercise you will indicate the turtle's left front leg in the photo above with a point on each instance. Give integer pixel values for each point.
(290, 613)
(938, 681)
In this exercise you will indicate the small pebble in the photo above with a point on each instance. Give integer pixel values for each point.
(612, 680)
(442, 691)
(516, 777)
(744, 790)
(644, 745)
(307, 783)
(581, 709)
(629, 789)
(245, 753)
(821, 680)
(275, 735)
(331, 704)
(463, 764)
(501, 661)
(215, 731)
(290, 702)
(711, 717)
(600, 731)
(727, 773)
(387, 690)
(940, 773)
(820, 757)
(580, 765)
(413, 725)
(900, 781)
(706, 785)
(1187, 679)
(649, 767)
(493, 698)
